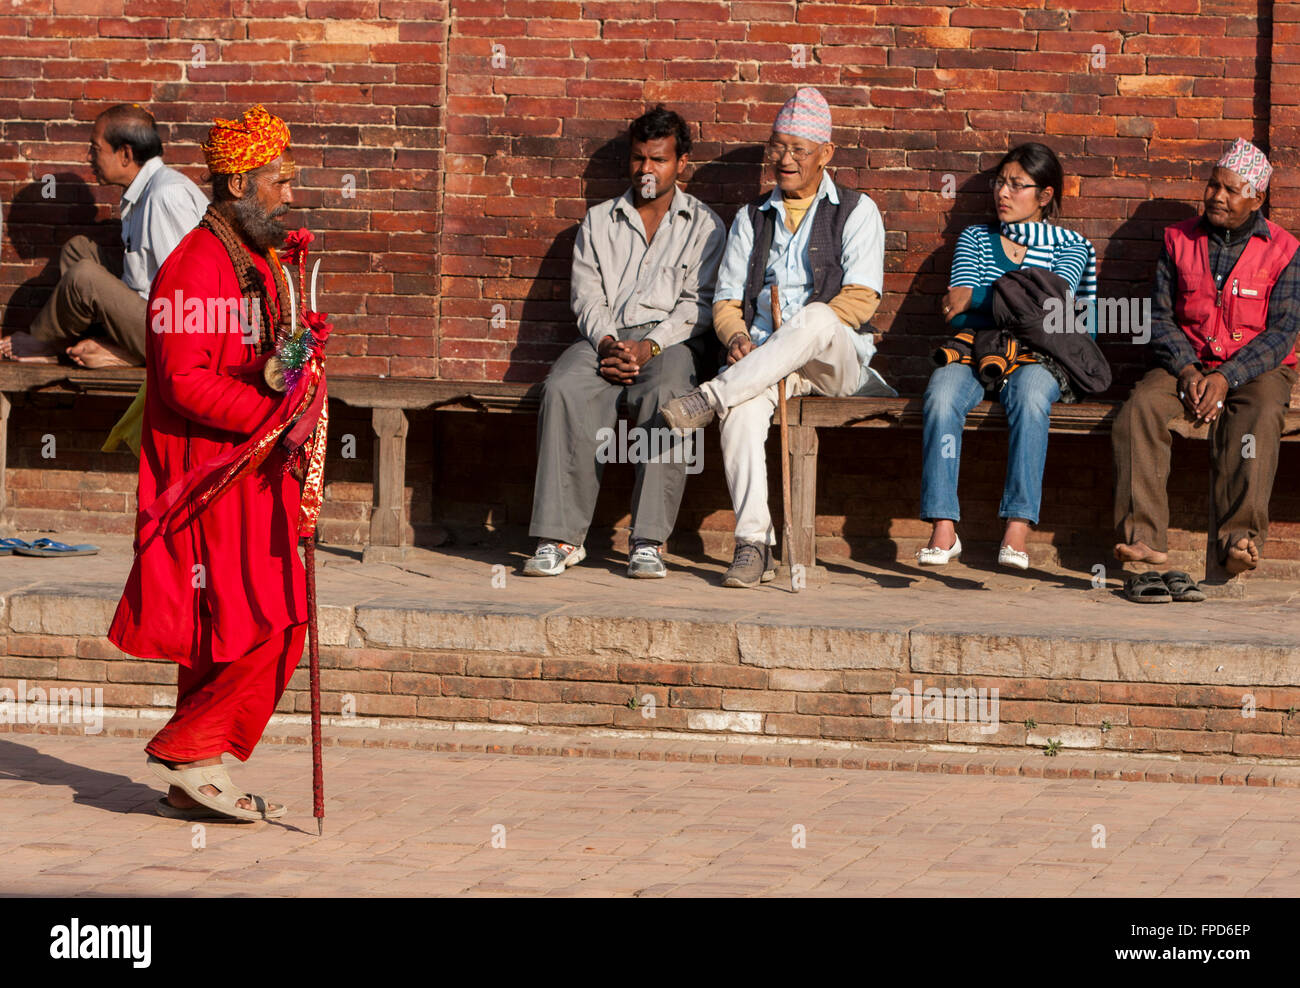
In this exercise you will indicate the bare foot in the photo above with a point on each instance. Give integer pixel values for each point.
(1016, 535)
(1139, 552)
(27, 349)
(179, 798)
(1242, 556)
(944, 535)
(94, 354)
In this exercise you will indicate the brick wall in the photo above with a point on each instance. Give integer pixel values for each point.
(1135, 95)
(360, 82)
(538, 93)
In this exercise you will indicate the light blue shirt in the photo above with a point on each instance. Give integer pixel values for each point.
(158, 208)
(788, 264)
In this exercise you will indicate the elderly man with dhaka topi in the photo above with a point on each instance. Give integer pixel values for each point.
(822, 247)
(1224, 318)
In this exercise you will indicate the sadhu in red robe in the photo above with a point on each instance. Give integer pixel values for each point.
(223, 592)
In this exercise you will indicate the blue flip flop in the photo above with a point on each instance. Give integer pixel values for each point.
(7, 546)
(48, 547)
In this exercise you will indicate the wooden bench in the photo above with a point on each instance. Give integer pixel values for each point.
(807, 415)
(389, 399)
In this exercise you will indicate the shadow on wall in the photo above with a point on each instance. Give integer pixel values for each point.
(1126, 269)
(905, 352)
(546, 323)
(38, 226)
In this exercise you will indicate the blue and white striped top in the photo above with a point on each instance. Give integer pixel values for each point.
(980, 260)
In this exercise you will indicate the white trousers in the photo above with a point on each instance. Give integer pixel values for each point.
(818, 350)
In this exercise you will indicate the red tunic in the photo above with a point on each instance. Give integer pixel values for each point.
(236, 562)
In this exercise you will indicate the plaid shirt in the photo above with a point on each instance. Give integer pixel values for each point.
(1170, 345)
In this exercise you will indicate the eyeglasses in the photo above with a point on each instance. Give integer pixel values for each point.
(1015, 187)
(776, 152)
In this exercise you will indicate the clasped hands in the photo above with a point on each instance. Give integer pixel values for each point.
(1202, 395)
(621, 360)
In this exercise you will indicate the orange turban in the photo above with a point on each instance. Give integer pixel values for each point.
(243, 145)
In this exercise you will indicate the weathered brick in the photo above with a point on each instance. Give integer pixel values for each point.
(735, 676)
(579, 669)
(417, 683)
(689, 696)
(597, 693)
(515, 667)
(764, 700)
(474, 687)
(654, 672)
(41, 645)
(574, 713)
(449, 707)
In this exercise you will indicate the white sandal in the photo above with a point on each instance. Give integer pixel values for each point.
(934, 556)
(1013, 558)
(191, 780)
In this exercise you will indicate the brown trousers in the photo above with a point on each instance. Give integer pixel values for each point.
(91, 290)
(1244, 444)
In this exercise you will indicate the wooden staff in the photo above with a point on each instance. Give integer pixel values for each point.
(317, 771)
(785, 453)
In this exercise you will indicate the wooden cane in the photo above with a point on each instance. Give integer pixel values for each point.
(786, 551)
(317, 771)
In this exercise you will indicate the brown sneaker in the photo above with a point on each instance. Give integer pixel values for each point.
(688, 413)
(751, 565)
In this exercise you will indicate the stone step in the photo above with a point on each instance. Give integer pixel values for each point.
(963, 655)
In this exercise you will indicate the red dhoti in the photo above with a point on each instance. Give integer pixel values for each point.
(224, 706)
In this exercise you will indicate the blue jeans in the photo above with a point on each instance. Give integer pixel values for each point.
(952, 392)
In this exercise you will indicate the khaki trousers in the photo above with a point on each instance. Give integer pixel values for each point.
(91, 290)
(817, 348)
(1244, 444)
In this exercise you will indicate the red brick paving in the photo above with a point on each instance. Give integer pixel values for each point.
(76, 819)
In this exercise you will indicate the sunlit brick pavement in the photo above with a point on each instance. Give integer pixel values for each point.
(76, 819)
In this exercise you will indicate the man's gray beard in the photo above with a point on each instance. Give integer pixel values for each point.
(255, 225)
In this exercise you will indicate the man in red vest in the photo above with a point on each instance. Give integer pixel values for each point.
(1223, 334)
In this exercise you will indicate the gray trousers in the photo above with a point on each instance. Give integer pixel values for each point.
(91, 290)
(572, 449)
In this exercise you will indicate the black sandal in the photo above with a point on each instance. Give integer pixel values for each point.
(1182, 587)
(1147, 588)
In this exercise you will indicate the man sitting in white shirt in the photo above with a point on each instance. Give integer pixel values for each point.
(159, 206)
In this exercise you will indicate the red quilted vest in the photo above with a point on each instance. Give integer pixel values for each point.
(1221, 322)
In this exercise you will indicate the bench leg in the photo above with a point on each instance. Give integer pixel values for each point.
(4, 454)
(387, 519)
(801, 544)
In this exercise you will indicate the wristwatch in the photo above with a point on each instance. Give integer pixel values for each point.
(654, 349)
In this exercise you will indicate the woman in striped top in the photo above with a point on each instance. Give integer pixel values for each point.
(1026, 197)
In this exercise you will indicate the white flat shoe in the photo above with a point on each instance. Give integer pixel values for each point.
(1014, 558)
(938, 557)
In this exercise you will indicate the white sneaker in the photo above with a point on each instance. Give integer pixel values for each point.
(1014, 558)
(933, 556)
(553, 558)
